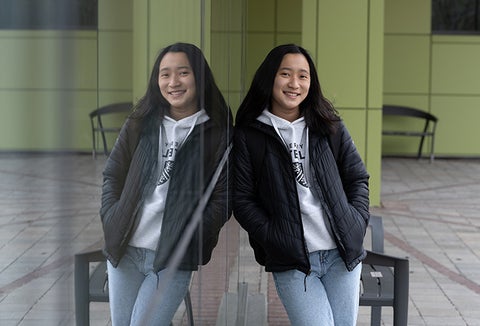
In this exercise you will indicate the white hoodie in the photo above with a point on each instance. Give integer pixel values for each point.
(295, 136)
(172, 136)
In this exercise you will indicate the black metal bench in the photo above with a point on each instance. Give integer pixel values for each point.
(428, 128)
(93, 287)
(384, 280)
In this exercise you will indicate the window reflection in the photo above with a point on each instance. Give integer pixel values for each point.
(48, 14)
(455, 16)
(166, 192)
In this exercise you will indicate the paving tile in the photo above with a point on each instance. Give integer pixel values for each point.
(50, 211)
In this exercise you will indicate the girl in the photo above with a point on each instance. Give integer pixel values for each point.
(156, 174)
(301, 190)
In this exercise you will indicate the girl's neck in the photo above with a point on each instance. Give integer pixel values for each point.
(179, 114)
(289, 115)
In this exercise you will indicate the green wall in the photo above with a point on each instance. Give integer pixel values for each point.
(216, 27)
(436, 73)
(156, 25)
(76, 72)
(365, 52)
(51, 80)
(228, 48)
(48, 78)
(346, 40)
(270, 23)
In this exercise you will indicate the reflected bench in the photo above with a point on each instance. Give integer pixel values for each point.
(93, 287)
(100, 128)
(384, 282)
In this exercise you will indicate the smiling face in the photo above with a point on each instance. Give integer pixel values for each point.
(177, 84)
(290, 86)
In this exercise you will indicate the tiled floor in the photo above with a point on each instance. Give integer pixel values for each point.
(49, 211)
(432, 215)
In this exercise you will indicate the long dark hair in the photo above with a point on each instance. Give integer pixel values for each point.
(209, 96)
(320, 115)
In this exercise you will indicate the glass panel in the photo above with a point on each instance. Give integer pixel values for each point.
(193, 205)
(214, 286)
(65, 76)
(455, 16)
(48, 14)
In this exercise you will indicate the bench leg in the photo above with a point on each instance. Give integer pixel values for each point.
(188, 305)
(420, 148)
(401, 283)
(81, 275)
(376, 316)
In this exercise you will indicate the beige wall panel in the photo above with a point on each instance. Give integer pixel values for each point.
(285, 38)
(407, 16)
(166, 28)
(406, 64)
(456, 68)
(115, 60)
(227, 52)
(458, 133)
(46, 120)
(346, 40)
(342, 51)
(157, 24)
(226, 60)
(118, 19)
(375, 55)
(227, 15)
(49, 60)
(373, 154)
(141, 64)
(261, 16)
(400, 146)
(289, 16)
(356, 120)
(309, 26)
(258, 46)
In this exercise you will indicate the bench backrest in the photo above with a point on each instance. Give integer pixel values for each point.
(377, 234)
(99, 129)
(408, 112)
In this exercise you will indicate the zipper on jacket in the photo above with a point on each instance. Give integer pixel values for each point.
(304, 241)
(305, 247)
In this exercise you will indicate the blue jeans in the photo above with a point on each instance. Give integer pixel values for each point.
(329, 295)
(133, 286)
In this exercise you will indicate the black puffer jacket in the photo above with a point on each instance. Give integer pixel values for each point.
(130, 175)
(266, 201)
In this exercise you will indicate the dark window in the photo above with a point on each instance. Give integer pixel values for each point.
(455, 16)
(48, 14)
